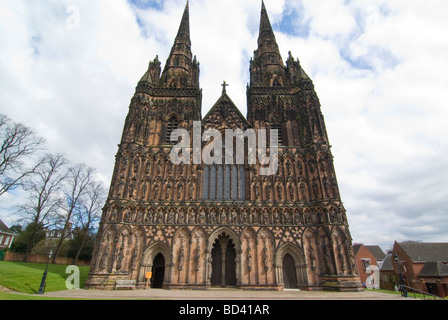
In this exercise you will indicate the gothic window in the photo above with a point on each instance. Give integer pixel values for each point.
(223, 182)
(171, 125)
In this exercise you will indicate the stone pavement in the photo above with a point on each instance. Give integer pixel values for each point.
(221, 294)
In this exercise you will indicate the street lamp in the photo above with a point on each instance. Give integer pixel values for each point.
(44, 276)
(404, 293)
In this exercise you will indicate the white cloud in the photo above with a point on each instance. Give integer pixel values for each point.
(379, 68)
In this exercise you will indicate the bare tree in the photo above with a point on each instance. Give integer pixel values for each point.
(43, 188)
(18, 144)
(89, 212)
(79, 178)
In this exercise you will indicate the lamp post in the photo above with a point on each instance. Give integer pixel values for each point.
(404, 293)
(44, 276)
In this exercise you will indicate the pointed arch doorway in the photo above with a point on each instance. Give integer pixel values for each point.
(223, 262)
(158, 271)
(289, 272)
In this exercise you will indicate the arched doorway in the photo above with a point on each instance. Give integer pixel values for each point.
(158, 271)
(223, 262)
(289, 272)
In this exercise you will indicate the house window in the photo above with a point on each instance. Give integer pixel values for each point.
(365, 263)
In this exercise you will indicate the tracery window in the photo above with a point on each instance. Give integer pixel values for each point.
(171, 125)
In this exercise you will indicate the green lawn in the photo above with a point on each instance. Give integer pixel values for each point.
(16, 296)
(26, 277)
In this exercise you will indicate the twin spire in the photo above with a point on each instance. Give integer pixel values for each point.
(182, 70)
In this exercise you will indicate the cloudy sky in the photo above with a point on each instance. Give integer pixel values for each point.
(68, 69)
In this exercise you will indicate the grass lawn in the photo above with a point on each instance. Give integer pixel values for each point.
(26, 277)
(15, 296)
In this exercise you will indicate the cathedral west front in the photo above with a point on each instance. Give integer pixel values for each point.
(197, 224)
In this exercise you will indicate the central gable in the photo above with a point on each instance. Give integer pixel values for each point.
(224, 115)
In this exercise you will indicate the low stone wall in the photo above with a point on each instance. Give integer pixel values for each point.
(36, 258)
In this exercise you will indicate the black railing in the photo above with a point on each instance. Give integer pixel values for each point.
(421, 294)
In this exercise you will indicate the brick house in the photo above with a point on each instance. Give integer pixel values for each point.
(424, 266)
(369, 260)
(6, 238)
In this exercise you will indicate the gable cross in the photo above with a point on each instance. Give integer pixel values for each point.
(224, 85)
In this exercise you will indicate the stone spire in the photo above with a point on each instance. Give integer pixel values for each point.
(180, 70)
(267, 68)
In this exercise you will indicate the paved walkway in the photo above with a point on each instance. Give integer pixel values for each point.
(221, 294)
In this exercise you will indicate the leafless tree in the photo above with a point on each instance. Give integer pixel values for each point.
(19, 144)
(43, 189)
(77, 183)
(89, 212)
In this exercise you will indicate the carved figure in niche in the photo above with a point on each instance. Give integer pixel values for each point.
(120, 187)
(299, 164)
(307, 217)
(159, 167)
(287, 217)
(139, 215)
(171, 216)
(197, 256)
(148, 166)
(291, 193)
(312, 258)
(120, 256)
(180, 191)
(333, 217)
(265, 258)
(103, 260)
(257, 191)
(315, 188)
(136, 164)
(114, 214)
(144, 188)
(160, 216)
(244, 217)
(168, 192)
(213, 216)
(327, 186)
(249, 255)
(288, 168)
(126, 215)
(149, 216)
(181, 218)
(134, 260)
(276, 217)
(181, 168)
(255, 218)
(234, 217)
(223, 216)
(192, 216)
(202, 217)
(303, 190)
(279, 190)
(181, 257)
(132, 188)
(297, 217)
(156, 191)
(326, 255)
(191, 190)
(265, 217)
(341, 257)
(268, 192)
